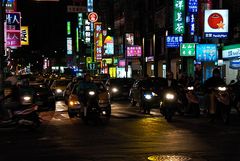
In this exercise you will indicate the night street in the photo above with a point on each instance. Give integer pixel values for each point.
(130, 135)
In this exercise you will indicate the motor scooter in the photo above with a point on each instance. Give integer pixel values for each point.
(220, 103)
(168, 104)
(23, 113)
(192, 107)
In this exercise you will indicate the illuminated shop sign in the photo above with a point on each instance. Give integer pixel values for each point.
(87, 32)
(129, 39)
(90, 5)
(109, 45)
(98, 41)
(13, 39)
(173, 41)
(178, 16)
(216, 24)
(187, 49)
(13, 20)
(234, 64)
(24, 35)
(69, 46)
(231, 51)
(11, 5)
(206, 53)
(192, 6)
(134, 51)
(122, 63)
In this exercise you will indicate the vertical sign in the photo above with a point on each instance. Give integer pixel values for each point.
(98, 41)
(24, 35)
(68, 28)
(80, 24)
(77, 40)
(11, 5)
(179, 17)
(90, 5)
(13, 28)
(192, 10)
(87, 32)
(69, 45)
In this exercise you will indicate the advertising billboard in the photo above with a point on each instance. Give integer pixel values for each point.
(231, 51)
(173, 41)
(24, 35)
(178, 16)
(109, 45)
(187, 49)
(134, 51)
(216, 23)
(206, 53)
(98, 41)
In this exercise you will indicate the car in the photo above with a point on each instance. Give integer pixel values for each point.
(44, 96)
(147, 92)
(75, 106)
(58, 86)
(119, 87)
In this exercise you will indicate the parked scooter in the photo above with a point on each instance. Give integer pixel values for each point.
(23, 115)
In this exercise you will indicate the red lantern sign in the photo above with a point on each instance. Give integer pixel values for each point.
(92, 17)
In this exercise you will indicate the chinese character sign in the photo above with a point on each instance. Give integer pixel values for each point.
(134, 51)
(90, 5)
(98, 41)
(193, 6)
(179, 17)
(87, 32)
(13, 39)
(187, 49)
(13, 20)
(173, 41)
(108, 46)
(206, 52)
(69, 46)
(24, 35)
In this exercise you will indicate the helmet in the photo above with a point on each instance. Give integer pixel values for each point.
(216, 72)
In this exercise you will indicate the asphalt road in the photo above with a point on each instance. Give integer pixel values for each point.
(129, 136)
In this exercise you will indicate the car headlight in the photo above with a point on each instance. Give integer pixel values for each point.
(91, 93)
(169, 96)
(27, 98)
(148, 96)
(114, 90)
(154, 94)
(222, 88)
(72, 103)
(58, 90)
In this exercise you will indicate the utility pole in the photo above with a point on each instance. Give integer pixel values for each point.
(2, 43)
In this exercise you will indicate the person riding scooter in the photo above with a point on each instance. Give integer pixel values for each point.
(210, 86)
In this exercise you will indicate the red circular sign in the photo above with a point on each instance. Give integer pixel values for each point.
(215, 20)
(92, 17)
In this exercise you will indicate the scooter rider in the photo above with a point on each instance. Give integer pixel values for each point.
(83, 86)
(209, 85)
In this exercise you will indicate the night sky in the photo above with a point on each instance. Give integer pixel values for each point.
(46, 21)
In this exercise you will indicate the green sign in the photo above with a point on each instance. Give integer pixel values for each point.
(178, 16)
(187, 49)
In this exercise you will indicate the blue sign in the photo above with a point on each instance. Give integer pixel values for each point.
(206, 53)
(193, 6)
(13, 20)
(90, 5)
(192, 24)
(235, 64)
(174, 41)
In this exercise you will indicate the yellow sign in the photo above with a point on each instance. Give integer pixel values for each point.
(24, 35)
(107, 60)
(89, 60)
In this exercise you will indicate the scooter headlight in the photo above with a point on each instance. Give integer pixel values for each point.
(222, 88)
(148, 96)
(169, 96)
(58, 90)
(190, 88)
(154, 94)
(114, 90)
(26, 98)
(91, 93)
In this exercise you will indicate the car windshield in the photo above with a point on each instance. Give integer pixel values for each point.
(61, 83)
